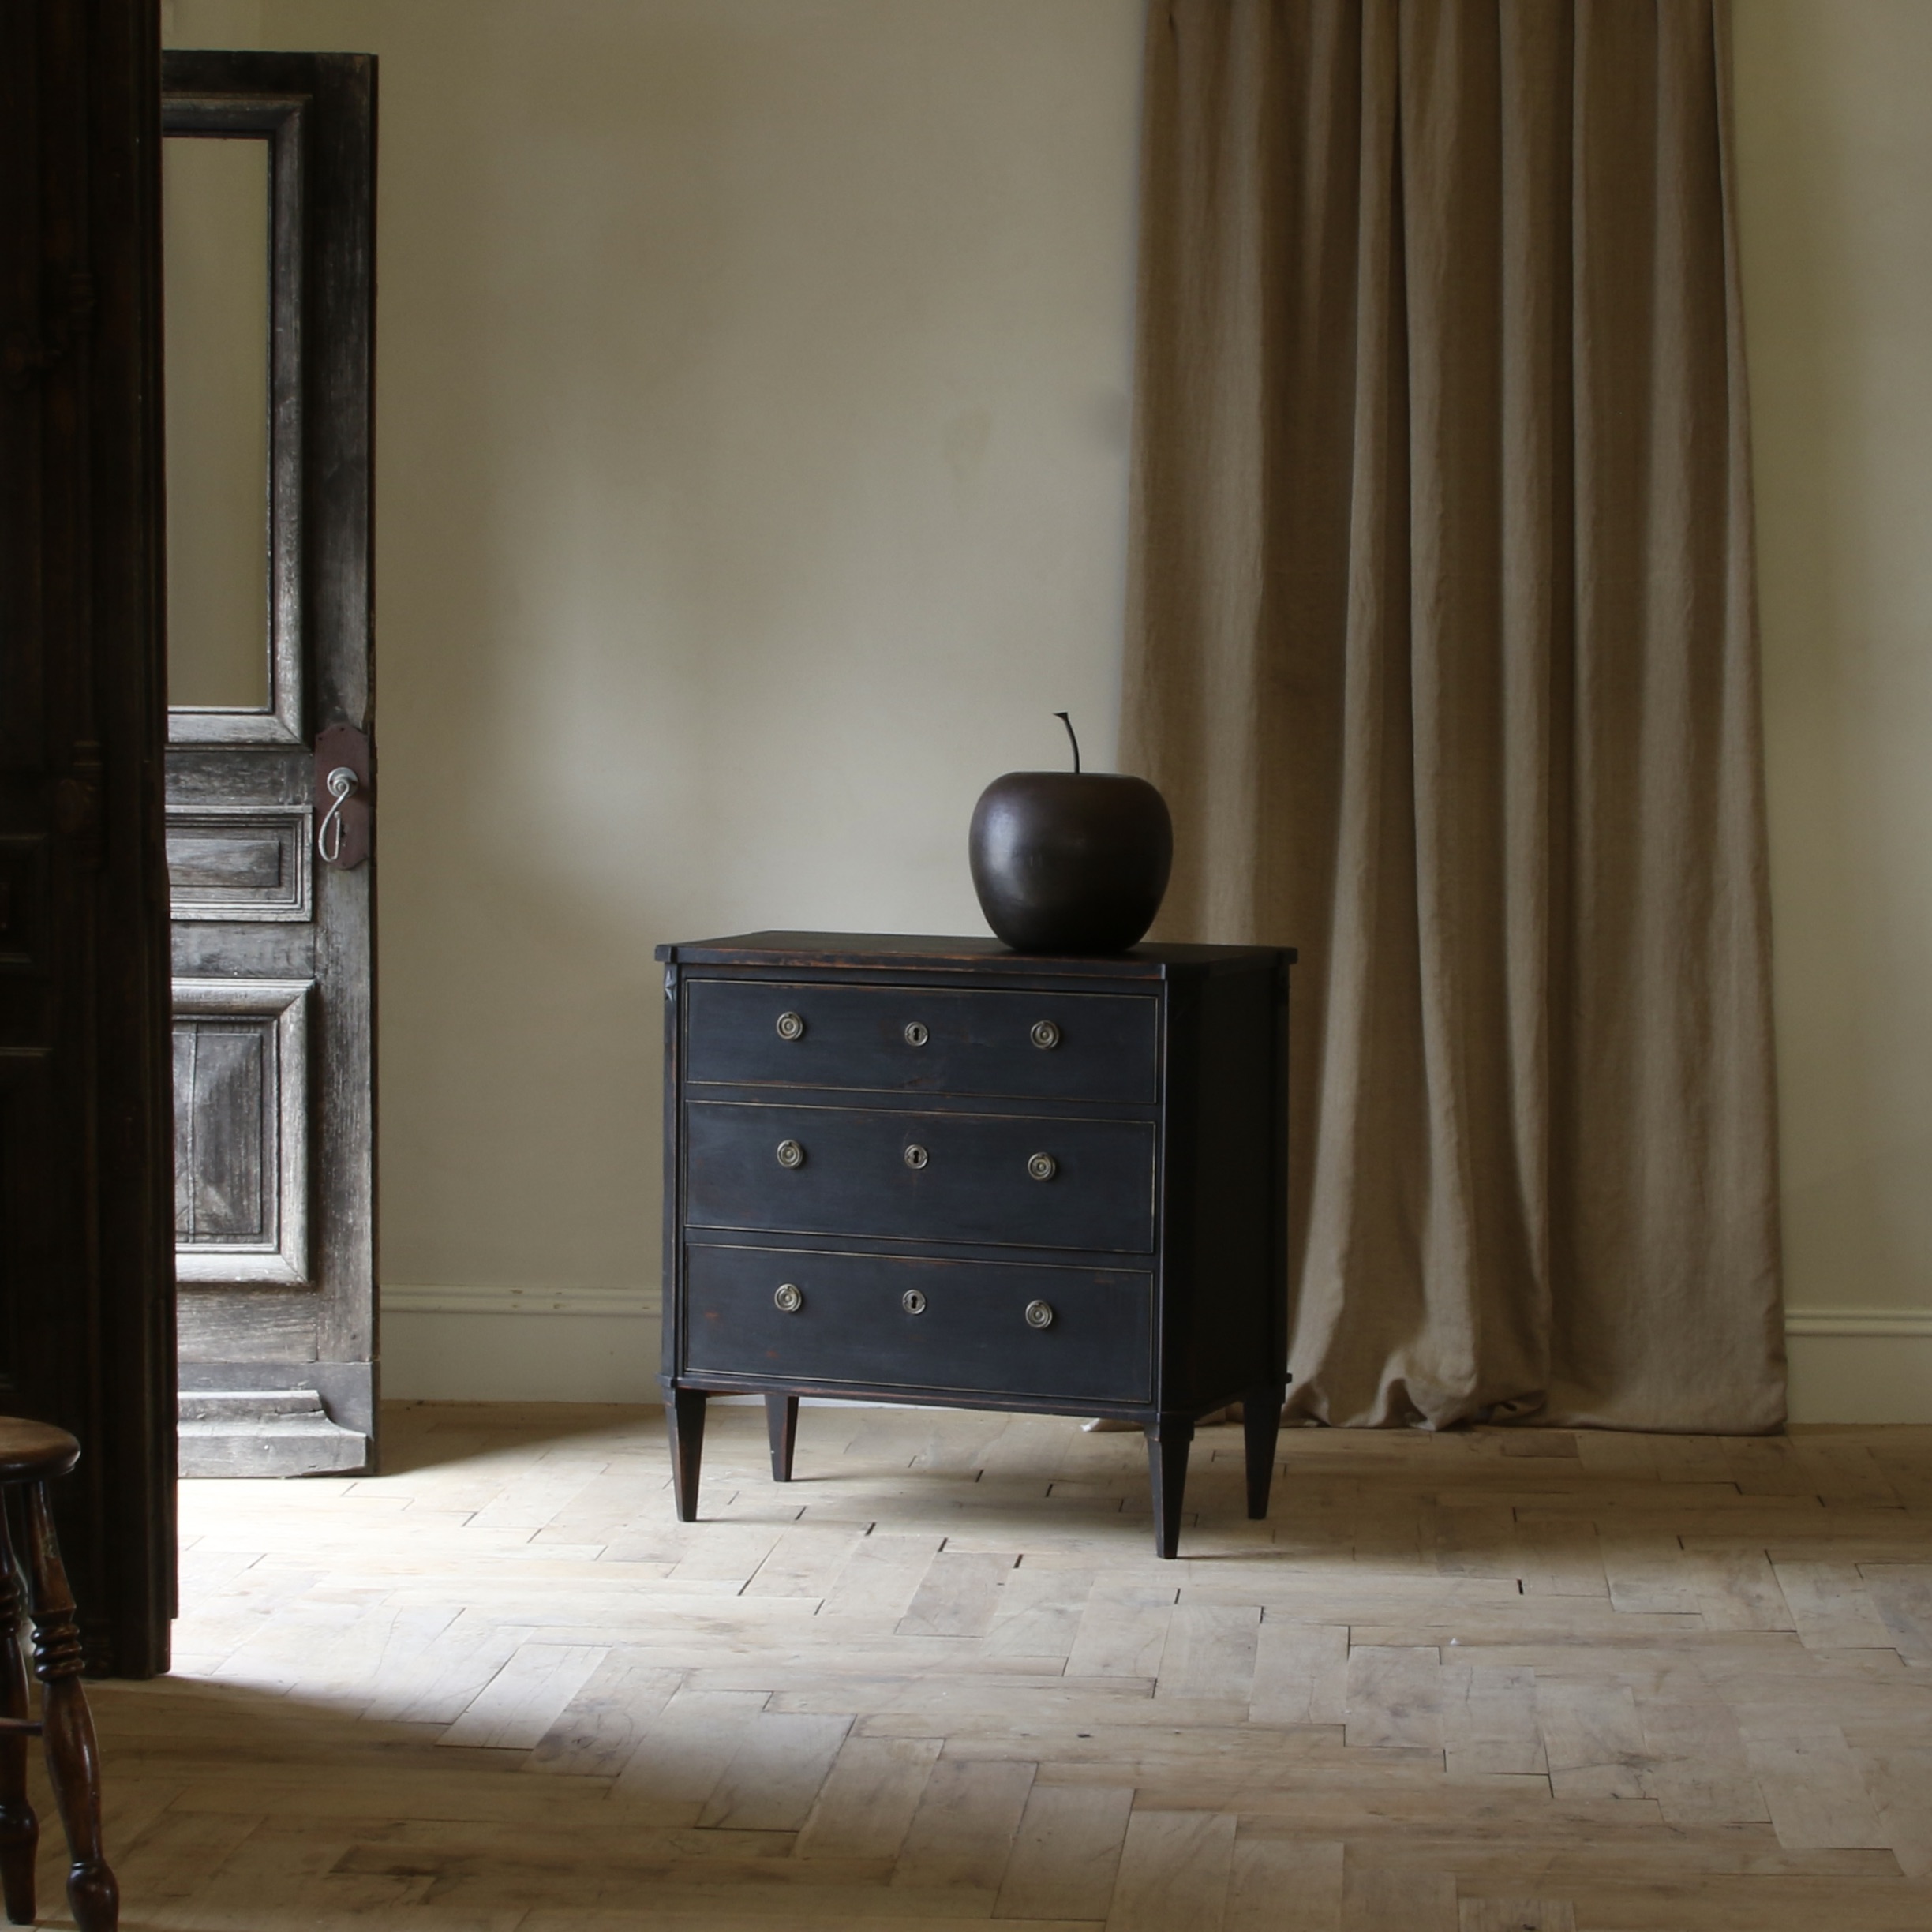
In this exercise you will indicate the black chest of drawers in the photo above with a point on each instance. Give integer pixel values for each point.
(935, 1171)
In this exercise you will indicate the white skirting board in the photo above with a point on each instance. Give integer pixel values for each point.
(596, 1345)
(600, 1345)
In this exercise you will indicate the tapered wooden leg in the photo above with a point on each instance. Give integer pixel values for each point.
(19, 1830)
(781, 1425)
(1260, 1425)
(685, 1412)
(72, 1763)
(1167, 1460)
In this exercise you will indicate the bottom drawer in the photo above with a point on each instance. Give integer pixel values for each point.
(902, 1321)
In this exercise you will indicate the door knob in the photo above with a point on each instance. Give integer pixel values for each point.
(341, 783)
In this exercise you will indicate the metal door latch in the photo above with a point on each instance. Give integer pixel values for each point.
(344, 797)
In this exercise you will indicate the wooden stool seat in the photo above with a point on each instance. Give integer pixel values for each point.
(35, 1451)
(31, 1455)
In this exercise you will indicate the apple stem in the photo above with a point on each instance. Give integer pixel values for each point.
(1068, 723)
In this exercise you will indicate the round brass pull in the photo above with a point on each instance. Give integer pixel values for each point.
(915, 1033)
(916, 1156)
(1039, 1315)
(913, 1302)
(791, 1154)
(790, 1026)
(790, 1300)
(1045, 1035)
(1041, 1166)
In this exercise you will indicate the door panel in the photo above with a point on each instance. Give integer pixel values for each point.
(240, 862)
(241, 1175)
(269, 169)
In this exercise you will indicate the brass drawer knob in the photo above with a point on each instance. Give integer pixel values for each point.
(1041, 1166)
(916, 1156)
(915, 1033)
(790, 1301)
(1039, 1315)
(913, 1302)
(1046, 1036)
(790, 1026)
(791, 1154)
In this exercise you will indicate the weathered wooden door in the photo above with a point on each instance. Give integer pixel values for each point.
(86, 1290)
(269, 229)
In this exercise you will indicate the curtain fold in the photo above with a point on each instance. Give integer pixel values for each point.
(1441, 643)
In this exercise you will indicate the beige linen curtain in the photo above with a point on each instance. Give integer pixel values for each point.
(1442, 645)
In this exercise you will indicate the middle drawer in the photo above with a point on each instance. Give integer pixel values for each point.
(1001, 1179)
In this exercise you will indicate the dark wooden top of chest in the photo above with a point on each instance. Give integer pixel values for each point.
(925, 952)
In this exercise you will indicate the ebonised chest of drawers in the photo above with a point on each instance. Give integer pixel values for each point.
(935, 1171)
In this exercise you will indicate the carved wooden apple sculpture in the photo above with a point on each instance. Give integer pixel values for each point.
(1070, 862)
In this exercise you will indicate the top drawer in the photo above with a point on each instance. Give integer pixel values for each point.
(922, 1040)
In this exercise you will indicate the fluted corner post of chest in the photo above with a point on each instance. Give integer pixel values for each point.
(671, 1359)
(1281, 1243)
(781, 1426)
(1168, 1439)
(19, 1830)
(1261, 1411)
(67, 1727)
(684, 1416)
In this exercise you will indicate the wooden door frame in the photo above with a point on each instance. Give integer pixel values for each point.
(86, 1154)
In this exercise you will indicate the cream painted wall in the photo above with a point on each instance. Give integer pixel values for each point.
(752, 485)
(1834, 173)
(753, 410)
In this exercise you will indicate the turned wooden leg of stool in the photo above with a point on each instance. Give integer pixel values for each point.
(19, 1830)
(74, 1766)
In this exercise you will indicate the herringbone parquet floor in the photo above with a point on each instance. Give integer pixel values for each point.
(1490, 1682)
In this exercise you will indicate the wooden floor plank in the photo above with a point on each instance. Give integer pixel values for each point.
(1209, 1651)
(535, 1686)
(684, 1751)
(771, 1779)
(1517, 1914)
(1174, 1873)
(1301, 1672)
(1066, 1852)
(1489, 1720)
(1394, 1696)
(1122, 1633)
(963, 1829)
(957, 1596)
(1281, 1885)
(867, 1804)
(1378, 1895)
(1592, 1739)
(1902, 1595)
(1830, 1606)
(600, 1727)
